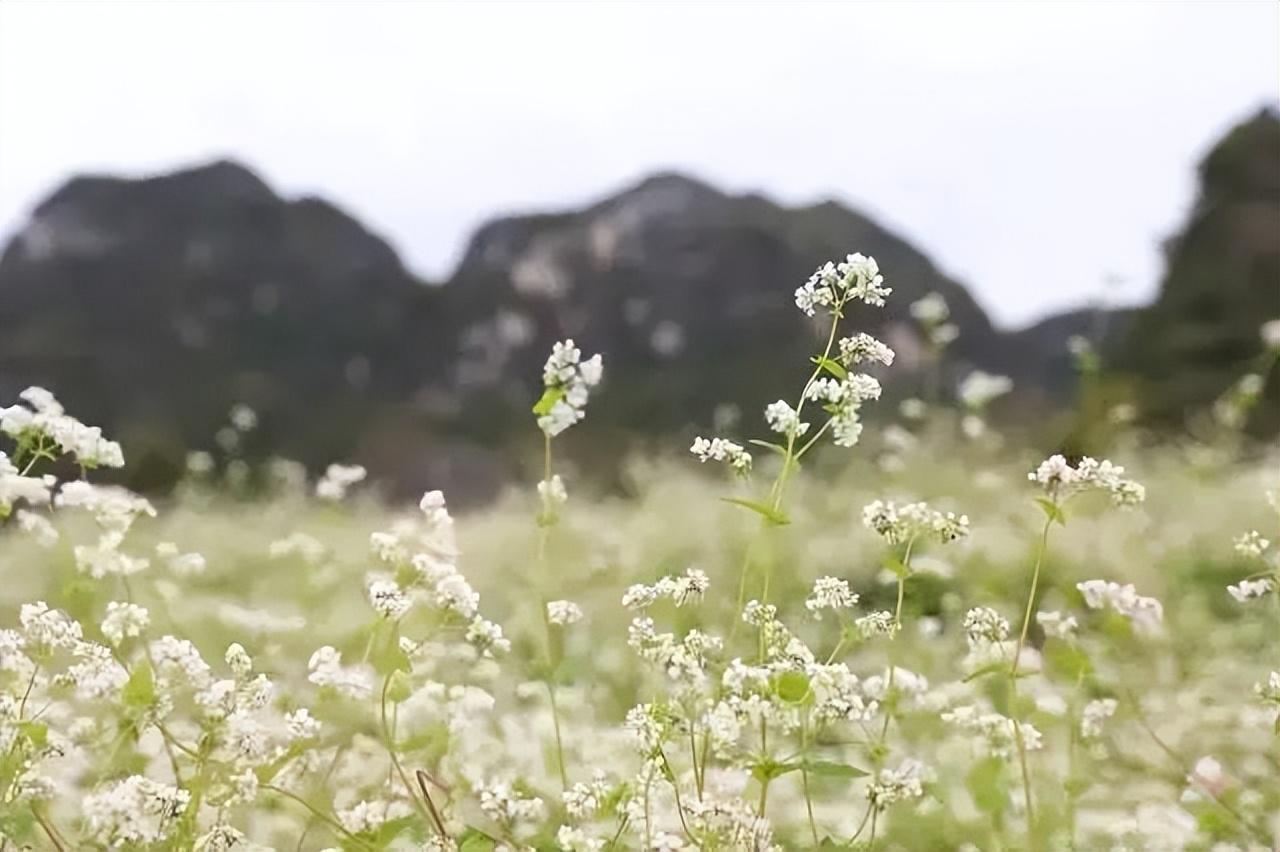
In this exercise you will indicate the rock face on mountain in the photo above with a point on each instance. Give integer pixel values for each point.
(152, 306)
(1221, 282)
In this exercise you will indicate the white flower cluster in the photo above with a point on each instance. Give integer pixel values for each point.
(14, 487)
(135, 810)
(998, 733)
(897, 785)
(784, 419)
(830, 593)
(568, 381)
(1247, 590)
(1057, 625)
(843, 400)
(1251, 545)
(1094, 714)
(863, 348)
(46, 427)
(1060, 480)
(1145, 613)
(979, 389)
(933, 313)
(722, 450)
(856, 277)
(691, 586)
(900, 523)
(337, 479)
(326, 669)
(563, 613)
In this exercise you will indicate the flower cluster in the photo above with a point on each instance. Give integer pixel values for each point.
(1061, 480)
(843, 401)
(856, 277)
(46, 429)
(899, 523)
(722, 450)
(1145, 613)
(568, 381)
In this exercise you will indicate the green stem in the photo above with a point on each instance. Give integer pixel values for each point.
(388, 739)
(320, 815)
(1019, 739)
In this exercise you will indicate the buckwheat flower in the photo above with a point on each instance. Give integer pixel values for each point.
(309, 548)
(563, 613)
(221, 838)
(830, 593)
(337, 479)
(553, 492)
(238, 659)
(757, 614)
(860, 277)
(48, 629)
(1247, 590)
(36, 526)
(124, 621)
(1145, 613)
(326, 670)
(113, 507)
(901, 523)
(508, 807)
(1055, 624)
(896, 785)
(300, 725)
(930, 310)
(1061, 481)
(105, 560)
(369, 816)
(135, 810)
(14, 487)
(639, 596)
(1270, 333)
(782, 418)
(691, 586)
(487, 637)
(979, 389)
(243, 418)
(583, 801)
(647, 727)
(96, 674)
(1269, 690)
(1251, 545)
(983, 624)
(572, 839)
(876, 624)
(720, 449)
(863, 348)
(567, 380)
(999, 732)
(1094, 714)
(388, 599)
(174, 655)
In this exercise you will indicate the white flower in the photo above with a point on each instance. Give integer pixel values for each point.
(326, 670)
(238, 659)
(721, 449)
(1057, 625)
(124, 621)
(46, 423)
(1247, 590)
(504, 805)
(337, 479)
(1094, 714)
(983, 624)
(830, 593)
(562, 613)
(896, 785)
(864, 348)
(1251, 545)
(487, 637)
(781, 417)
(567, 380)
(388, 599)
(978, 389)
(1270, 333)
(930, 310)
(243, 418)
(900, 523)
(553, 492)
(37, 526)
(1145, 613)
(880, 623)
(48, 628)
(135, 810)
(1060, 480)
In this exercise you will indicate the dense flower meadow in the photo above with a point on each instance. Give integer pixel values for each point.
(928, 641)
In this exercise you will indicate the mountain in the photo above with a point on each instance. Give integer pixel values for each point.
(154, 305)
(1221, 282)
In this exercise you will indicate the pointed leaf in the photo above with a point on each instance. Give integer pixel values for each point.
(769, 513)
(831, 769)
(835, 368)
(1053, 510)
(548, 400)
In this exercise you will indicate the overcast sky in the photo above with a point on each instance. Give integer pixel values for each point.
(1034, 150)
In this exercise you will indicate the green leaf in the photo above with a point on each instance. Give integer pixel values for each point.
(1068, 660)
(400, 687)
(831, 769)
(989, 668)
(548, 400)
(1053, 510)
(36, 732)
(474, 840)
(835, 368)
(776, 448)
(988, 786)
(140, 691)
(792, 687)
(769, 513)
(770, 769)
(892, 563)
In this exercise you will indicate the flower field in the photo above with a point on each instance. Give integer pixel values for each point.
(828, 637)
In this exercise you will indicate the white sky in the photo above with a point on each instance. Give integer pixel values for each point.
(1034, 150)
